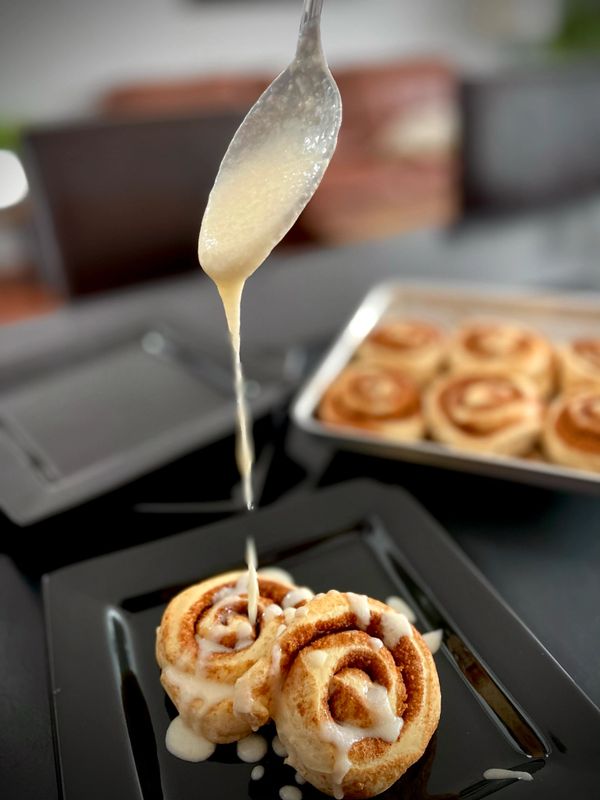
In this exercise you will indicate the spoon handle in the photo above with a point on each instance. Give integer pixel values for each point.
(312, 10)
(309, 38)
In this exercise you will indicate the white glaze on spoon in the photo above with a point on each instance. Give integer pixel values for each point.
(270, 171)
(183, 742)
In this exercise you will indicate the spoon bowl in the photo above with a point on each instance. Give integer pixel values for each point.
(286, 141)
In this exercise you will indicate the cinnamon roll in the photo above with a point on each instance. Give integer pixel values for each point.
(375, 398)
(580, 365)
(206, 642)
(416, 348)
(572, 431)
(505, 347)
(499, 414)
(354, 693)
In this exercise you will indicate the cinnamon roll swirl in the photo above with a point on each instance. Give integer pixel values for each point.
(354, 694)
(375, 398)
(580, 365)
(416, 348)
(206, 642)
(572, 431)
(505, 347)
(499, 414)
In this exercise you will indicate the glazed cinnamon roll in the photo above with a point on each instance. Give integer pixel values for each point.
(580, 365)
(374, 398)
(206, 642)
(505, 347)
(354, 694)
(416, 348)
(572, 431)
(499, 414)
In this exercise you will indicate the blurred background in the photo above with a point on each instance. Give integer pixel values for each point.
(114, 116)
(469, 151)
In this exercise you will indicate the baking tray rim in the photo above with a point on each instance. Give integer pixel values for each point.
(366, 315)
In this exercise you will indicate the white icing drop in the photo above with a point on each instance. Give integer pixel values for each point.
(278, 747)
(243, 702)
(296, 596)
(290, 793)
(252, 582)
(299, 779)
(359, 605)
(395, 626)
(271, 612)
(183, 742)
(252, 748)
(506, 774)
(400, 605)
(206, 648)
(210, 642)
(275, 661)
(289, 615)
(225, 592)
(433, 640)
(257, 772)
(376, 643)
(315, 658)
(196, 686)
(276, 574)
(302, 611)
(280, 631)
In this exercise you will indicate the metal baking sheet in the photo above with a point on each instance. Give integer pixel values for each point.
(559, 316)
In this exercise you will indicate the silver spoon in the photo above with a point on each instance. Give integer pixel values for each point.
(302, 106)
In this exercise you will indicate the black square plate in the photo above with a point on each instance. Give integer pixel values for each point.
(505, 701)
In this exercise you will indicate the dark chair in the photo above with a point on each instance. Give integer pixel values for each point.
(531, 137)
(118, 202)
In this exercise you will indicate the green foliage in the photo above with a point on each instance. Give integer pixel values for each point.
(580, 31)
(10, 136)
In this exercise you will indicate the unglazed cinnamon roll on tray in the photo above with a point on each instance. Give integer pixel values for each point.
(348, 681)
(376, 398)
(579, 363)
(491, 346)
(500, 414)
(414, 347)
(571, 434)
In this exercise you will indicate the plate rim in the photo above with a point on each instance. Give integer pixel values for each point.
(358, 498)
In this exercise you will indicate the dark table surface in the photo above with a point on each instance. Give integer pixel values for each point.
(539, 549)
